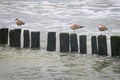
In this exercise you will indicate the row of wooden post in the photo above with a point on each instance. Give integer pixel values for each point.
(68, 42)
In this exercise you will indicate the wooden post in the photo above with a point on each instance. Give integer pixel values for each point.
(26, 39)
(51, 41)
(83, 45)
(115, 46)
(11, 38)
(74, 43)
(94, 44)
(17, 37)
(4, 36)
(35, 39)
(64, 42)
(119, 46)
(102, 45)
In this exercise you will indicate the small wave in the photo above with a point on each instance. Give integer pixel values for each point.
(76, 3)
(47, 3)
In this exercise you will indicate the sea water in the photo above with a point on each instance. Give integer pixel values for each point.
(55, 15)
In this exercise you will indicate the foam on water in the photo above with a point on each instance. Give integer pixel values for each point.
(58, 13)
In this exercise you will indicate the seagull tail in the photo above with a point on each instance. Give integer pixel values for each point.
(106, 28)
(23, 23)
(81, 26)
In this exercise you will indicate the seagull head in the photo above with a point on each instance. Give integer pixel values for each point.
(16, 19)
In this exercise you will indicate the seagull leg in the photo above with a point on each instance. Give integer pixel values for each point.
(101, 33)
(74, 31)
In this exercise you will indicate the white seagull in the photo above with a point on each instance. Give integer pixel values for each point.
(74, 26)
(102, 27)
(19, 22)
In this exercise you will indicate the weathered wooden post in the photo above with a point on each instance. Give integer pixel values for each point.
(4, 36)
(26, 39)
(17, 37)
(119, 46)
(115, 46)
(11, 38)
(83, 44)
(94, 44)
(51, 41)
(35, 39)
(74, 43)
(102, 45)
(64, 42)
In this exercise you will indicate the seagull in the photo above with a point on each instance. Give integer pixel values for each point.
(102, 27)
(74, 26)
(19, 22)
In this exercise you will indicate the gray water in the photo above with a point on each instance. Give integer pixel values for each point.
(55, 15)
(26, 64)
